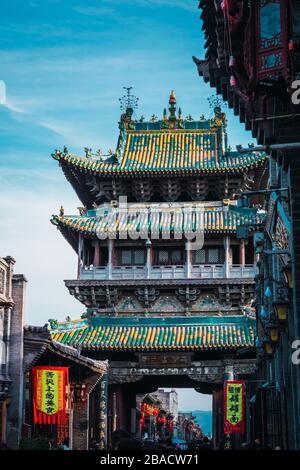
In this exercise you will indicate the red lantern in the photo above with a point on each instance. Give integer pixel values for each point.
(291, 46)
(142, 420)
(170, 425)
(149, 409)
(161, 420)
(233, 82)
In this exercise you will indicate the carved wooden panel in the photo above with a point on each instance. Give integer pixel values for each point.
(164, 360)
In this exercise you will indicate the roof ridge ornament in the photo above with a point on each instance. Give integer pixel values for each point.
(128, 104)
(216, 104)
(128, 101)
(219, 119)
(172, 108)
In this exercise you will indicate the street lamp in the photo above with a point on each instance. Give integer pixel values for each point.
(281, 308)
(288, 275)
(273, 332)
(267, 345)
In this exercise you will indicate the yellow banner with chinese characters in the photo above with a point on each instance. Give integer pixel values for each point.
(49, 393)
(234, 409)
(47, 390)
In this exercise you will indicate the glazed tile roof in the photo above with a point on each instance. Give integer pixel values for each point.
(169, 145)
(153, 219)
(151, 334)
(179, 152)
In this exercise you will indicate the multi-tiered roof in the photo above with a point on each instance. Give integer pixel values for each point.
(146, 219)
(174, 148)
(171, 160)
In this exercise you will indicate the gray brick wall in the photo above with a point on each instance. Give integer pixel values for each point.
(15, 410)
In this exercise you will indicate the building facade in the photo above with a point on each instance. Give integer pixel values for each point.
(187, 428)
(156, 421)
(161, 306)
(252, 60)
(12, 303)
(85, 391)
(21, 348)
(169, 401)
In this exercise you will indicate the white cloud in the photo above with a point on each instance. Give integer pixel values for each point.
(11, 106)
(41, 253)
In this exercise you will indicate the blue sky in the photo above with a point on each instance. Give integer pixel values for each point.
(64, 63)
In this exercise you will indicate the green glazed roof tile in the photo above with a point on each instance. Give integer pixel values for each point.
(196, 334)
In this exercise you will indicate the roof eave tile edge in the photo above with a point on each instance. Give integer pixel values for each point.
(82, 166)
(74, 354)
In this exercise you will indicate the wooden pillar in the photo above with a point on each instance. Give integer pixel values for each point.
(149, 258)
(227, 257)
(82, 406)
(3, 419)
(242, 253)
(218, 417)
(97, 254)
(133, 422)
(110, 257)
(188, 259)
(80, 260)
(115, 412)
(81, 426)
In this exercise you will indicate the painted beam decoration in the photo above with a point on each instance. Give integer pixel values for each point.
(49, 394)
(234, 407)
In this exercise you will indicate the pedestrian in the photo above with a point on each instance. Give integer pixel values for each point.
(66, 444)
(256, 445)
(117, 436)
(245, 446)
(128, 444)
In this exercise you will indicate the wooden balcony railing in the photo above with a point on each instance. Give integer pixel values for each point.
(213, 271)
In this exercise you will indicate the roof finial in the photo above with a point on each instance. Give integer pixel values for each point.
(172, 100)
(128, 102)
(216, 103)
(219, 119)
(172, 108)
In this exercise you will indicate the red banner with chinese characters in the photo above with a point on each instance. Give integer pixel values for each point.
(49, 394)
(234, 407)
